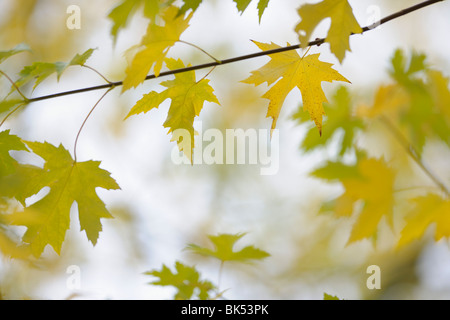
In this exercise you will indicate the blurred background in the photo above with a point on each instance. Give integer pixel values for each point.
(162, 206)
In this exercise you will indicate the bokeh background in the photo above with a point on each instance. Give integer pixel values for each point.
(162, 207)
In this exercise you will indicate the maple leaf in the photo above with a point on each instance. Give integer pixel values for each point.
(223, 249)
(17, 49)
(340, 122)
(189, 5)
(343, 24)
(428, 210)
(48, 219)
(9, 142)
(243, 4)
(370, 181)
(42, 70)
(154, 47)
(305, 73)
(423, 117)
(121, 14)
(186, 280)
(187, 99)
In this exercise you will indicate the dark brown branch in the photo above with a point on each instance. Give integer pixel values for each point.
(316, 42)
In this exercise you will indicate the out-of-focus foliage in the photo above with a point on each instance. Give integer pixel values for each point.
(385, 197)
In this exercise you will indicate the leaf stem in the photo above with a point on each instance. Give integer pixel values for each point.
(198, 48)
(97, 72)
(14, 85)
(11, 113)
(84, 122)
(316, 42)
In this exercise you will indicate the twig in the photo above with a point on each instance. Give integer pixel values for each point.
(316, 42)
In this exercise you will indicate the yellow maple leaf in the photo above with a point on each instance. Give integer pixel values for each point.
(429, 209)
(154, 47)
(374, 186)
(305, 73)
(343, 24)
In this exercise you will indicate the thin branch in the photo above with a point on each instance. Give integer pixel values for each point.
(316, 42)
(414, 155)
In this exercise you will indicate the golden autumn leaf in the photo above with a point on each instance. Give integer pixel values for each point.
(371, 182)
(154, 47)
(306, 73)
(343, 24)
(428, 210)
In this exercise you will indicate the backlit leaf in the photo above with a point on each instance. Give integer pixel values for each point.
(154, 47)
(428, 210)
(48, 219)
(343, 24)
(185, 279)
(40, 71)
(224, 249)
(305, 73)
(370, 181)
(187, 97)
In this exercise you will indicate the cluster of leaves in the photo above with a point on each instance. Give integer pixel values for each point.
(68, 181)
(411, 109)
(186, 279)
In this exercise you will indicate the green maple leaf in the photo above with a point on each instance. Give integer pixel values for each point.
(240, 4)
(9, 142)
(187, 98)
(42, 70)
(123, 12)
(343, 24)
(189, 5)
(223, 249)
(48, 219)
(339, 121)
(186, 280)
(243, 4)
(423, 116)
(17, 49)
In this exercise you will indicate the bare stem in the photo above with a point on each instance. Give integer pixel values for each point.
(14, 85)
(97, 72)
(84, 122)
(12, 112)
